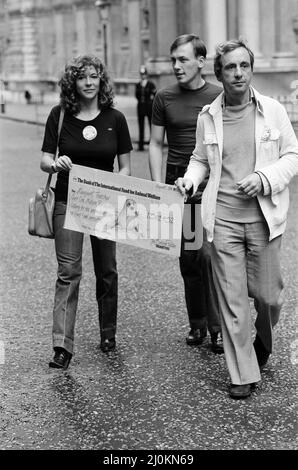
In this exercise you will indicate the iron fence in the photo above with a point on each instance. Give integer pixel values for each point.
(291, 106)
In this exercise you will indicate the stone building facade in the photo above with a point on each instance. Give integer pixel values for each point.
(37, 37)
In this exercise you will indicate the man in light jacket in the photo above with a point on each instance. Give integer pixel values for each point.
(248, 144)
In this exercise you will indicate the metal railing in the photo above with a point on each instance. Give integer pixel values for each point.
(290, 104)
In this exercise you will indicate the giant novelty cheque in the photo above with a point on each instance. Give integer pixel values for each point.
(126, 209)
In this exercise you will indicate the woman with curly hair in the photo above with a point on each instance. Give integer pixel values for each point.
(93, 134)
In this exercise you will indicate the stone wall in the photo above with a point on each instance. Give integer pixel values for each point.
(37, 37)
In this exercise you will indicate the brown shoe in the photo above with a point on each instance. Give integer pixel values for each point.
(240, 391)
(196, 336)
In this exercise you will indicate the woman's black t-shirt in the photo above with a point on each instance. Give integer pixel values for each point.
(96, 152)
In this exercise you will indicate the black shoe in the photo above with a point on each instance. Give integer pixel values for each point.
(61, 359)
(240, 391)
(261, 353)
(196, 336)
(107, 345)
(216, 343)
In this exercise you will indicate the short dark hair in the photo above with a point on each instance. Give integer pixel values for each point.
(68, 95)
(199, 47)
(228, 46)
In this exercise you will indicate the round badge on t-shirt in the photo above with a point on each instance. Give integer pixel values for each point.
(89, 132)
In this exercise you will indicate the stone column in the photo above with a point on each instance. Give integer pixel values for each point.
(216, 24)
(284, 34)
(267, 28)
(163, 31)
(29, 47)
(46, 41)
(80, 23)
(15, 59)
(249, 24)
(196, 23)
(134, 27)
(165, 25)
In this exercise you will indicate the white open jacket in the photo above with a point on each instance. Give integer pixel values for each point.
(276, 159)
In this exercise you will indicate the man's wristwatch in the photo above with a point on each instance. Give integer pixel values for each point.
(54, 168)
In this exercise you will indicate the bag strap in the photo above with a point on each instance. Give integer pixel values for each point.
(61, 117)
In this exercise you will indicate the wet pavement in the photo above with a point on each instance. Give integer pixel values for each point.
(154, 392)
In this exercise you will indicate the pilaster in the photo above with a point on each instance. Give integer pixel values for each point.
(249, 24)
(216, 24)
(163, 31)
(284, 34)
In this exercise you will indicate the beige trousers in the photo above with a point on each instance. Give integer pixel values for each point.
(245, 264)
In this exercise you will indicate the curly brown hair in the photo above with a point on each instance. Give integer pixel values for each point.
(69, 98)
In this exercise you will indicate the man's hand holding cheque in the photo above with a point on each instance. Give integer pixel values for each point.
(184, 185)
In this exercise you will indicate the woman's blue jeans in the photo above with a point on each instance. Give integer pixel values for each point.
(69, 246)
